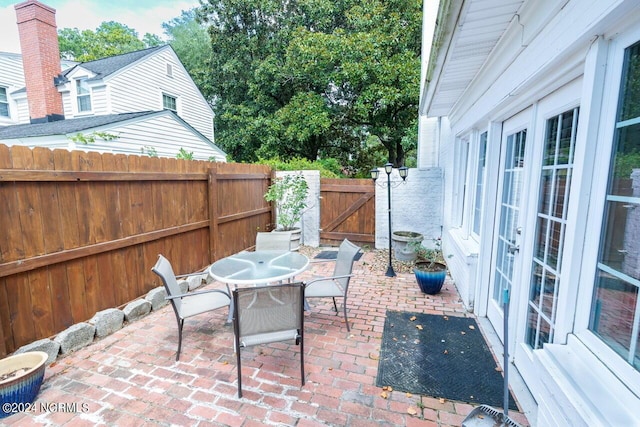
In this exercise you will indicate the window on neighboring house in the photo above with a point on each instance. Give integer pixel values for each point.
(169, 102)
(615, 308)
(4, 102)
(479, 190)
(84, 95)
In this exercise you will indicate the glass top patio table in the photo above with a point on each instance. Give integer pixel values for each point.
(259, 267)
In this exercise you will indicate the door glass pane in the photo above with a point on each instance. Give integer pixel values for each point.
(615, 310)
(509, 210)
(550, 226)
(477, 207)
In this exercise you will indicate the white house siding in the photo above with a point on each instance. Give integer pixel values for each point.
(12, 81)
(555, 56)
(163, 134)
(140, 87)
(99, 100)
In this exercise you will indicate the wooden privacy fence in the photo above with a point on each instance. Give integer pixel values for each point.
(81, 231)
(347, 211)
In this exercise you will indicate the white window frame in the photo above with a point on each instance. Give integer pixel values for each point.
(599, 185)
(467, 154)
(166, 95)
(78, 83)
(6, 102)
(460, 183)
(476, 198)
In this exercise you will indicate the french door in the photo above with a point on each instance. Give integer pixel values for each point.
(507, 239)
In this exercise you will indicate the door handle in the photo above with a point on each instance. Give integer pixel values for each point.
(513, 249)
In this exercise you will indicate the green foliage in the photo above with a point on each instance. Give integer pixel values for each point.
(625, 163)
(432, 254)
(184, 154)
(109, 39)
(329, 168)
(315, 79)
(150, 151)
(290, 196)
(92, 137)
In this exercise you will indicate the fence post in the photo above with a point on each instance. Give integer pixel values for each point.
(213, 212)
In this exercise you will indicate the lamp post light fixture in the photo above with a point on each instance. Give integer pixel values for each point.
(404, 172)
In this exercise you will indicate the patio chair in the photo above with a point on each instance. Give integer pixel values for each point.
(268, 314)
(189, 304)
(336, 285)
(280, 241)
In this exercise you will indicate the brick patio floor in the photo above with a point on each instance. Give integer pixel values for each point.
(131, 378)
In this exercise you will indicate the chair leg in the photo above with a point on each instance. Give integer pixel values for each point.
(239, 372)
(334, 304)
(180, 325)
(344, 308)
(302, 358)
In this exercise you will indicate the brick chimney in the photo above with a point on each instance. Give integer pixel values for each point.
(40, 59)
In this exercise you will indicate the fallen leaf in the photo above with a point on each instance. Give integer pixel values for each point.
(412, 411)
(442, 400)
(395, 339)
(384, 395)
(446, 352)
(498, 369)
(471, 327)
(409, 394)
(445, 317)
(330, 368)
(419, 327)
(413, 318)
(463, 333)
(373, 356)
(225, 362)
(387, 388)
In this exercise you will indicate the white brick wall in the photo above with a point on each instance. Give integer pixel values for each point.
(416, 204)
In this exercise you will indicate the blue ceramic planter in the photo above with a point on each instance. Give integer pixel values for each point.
(21, 376)
(430, 276)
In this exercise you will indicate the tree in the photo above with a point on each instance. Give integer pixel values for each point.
(109, 39)
(314, 78)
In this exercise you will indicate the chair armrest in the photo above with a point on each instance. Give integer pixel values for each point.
(207, 291)
(327, 278)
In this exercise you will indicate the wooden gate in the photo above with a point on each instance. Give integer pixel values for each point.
(347, 210)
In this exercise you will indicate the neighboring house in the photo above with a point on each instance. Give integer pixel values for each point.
(146, 99)
(532, 110)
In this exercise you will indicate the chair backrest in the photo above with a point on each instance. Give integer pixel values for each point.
(165, 271)
(344, 261)
(280, 241)
(268, 313)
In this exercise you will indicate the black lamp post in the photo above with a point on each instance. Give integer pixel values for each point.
(403, 171)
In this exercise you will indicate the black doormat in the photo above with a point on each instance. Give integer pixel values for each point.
(334, 255)
(439, 356)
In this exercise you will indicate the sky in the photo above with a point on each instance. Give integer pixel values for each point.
(144, 16)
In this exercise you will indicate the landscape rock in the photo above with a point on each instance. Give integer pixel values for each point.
(136, 309)
(75, 337)
(47, 345)
(107, 321)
